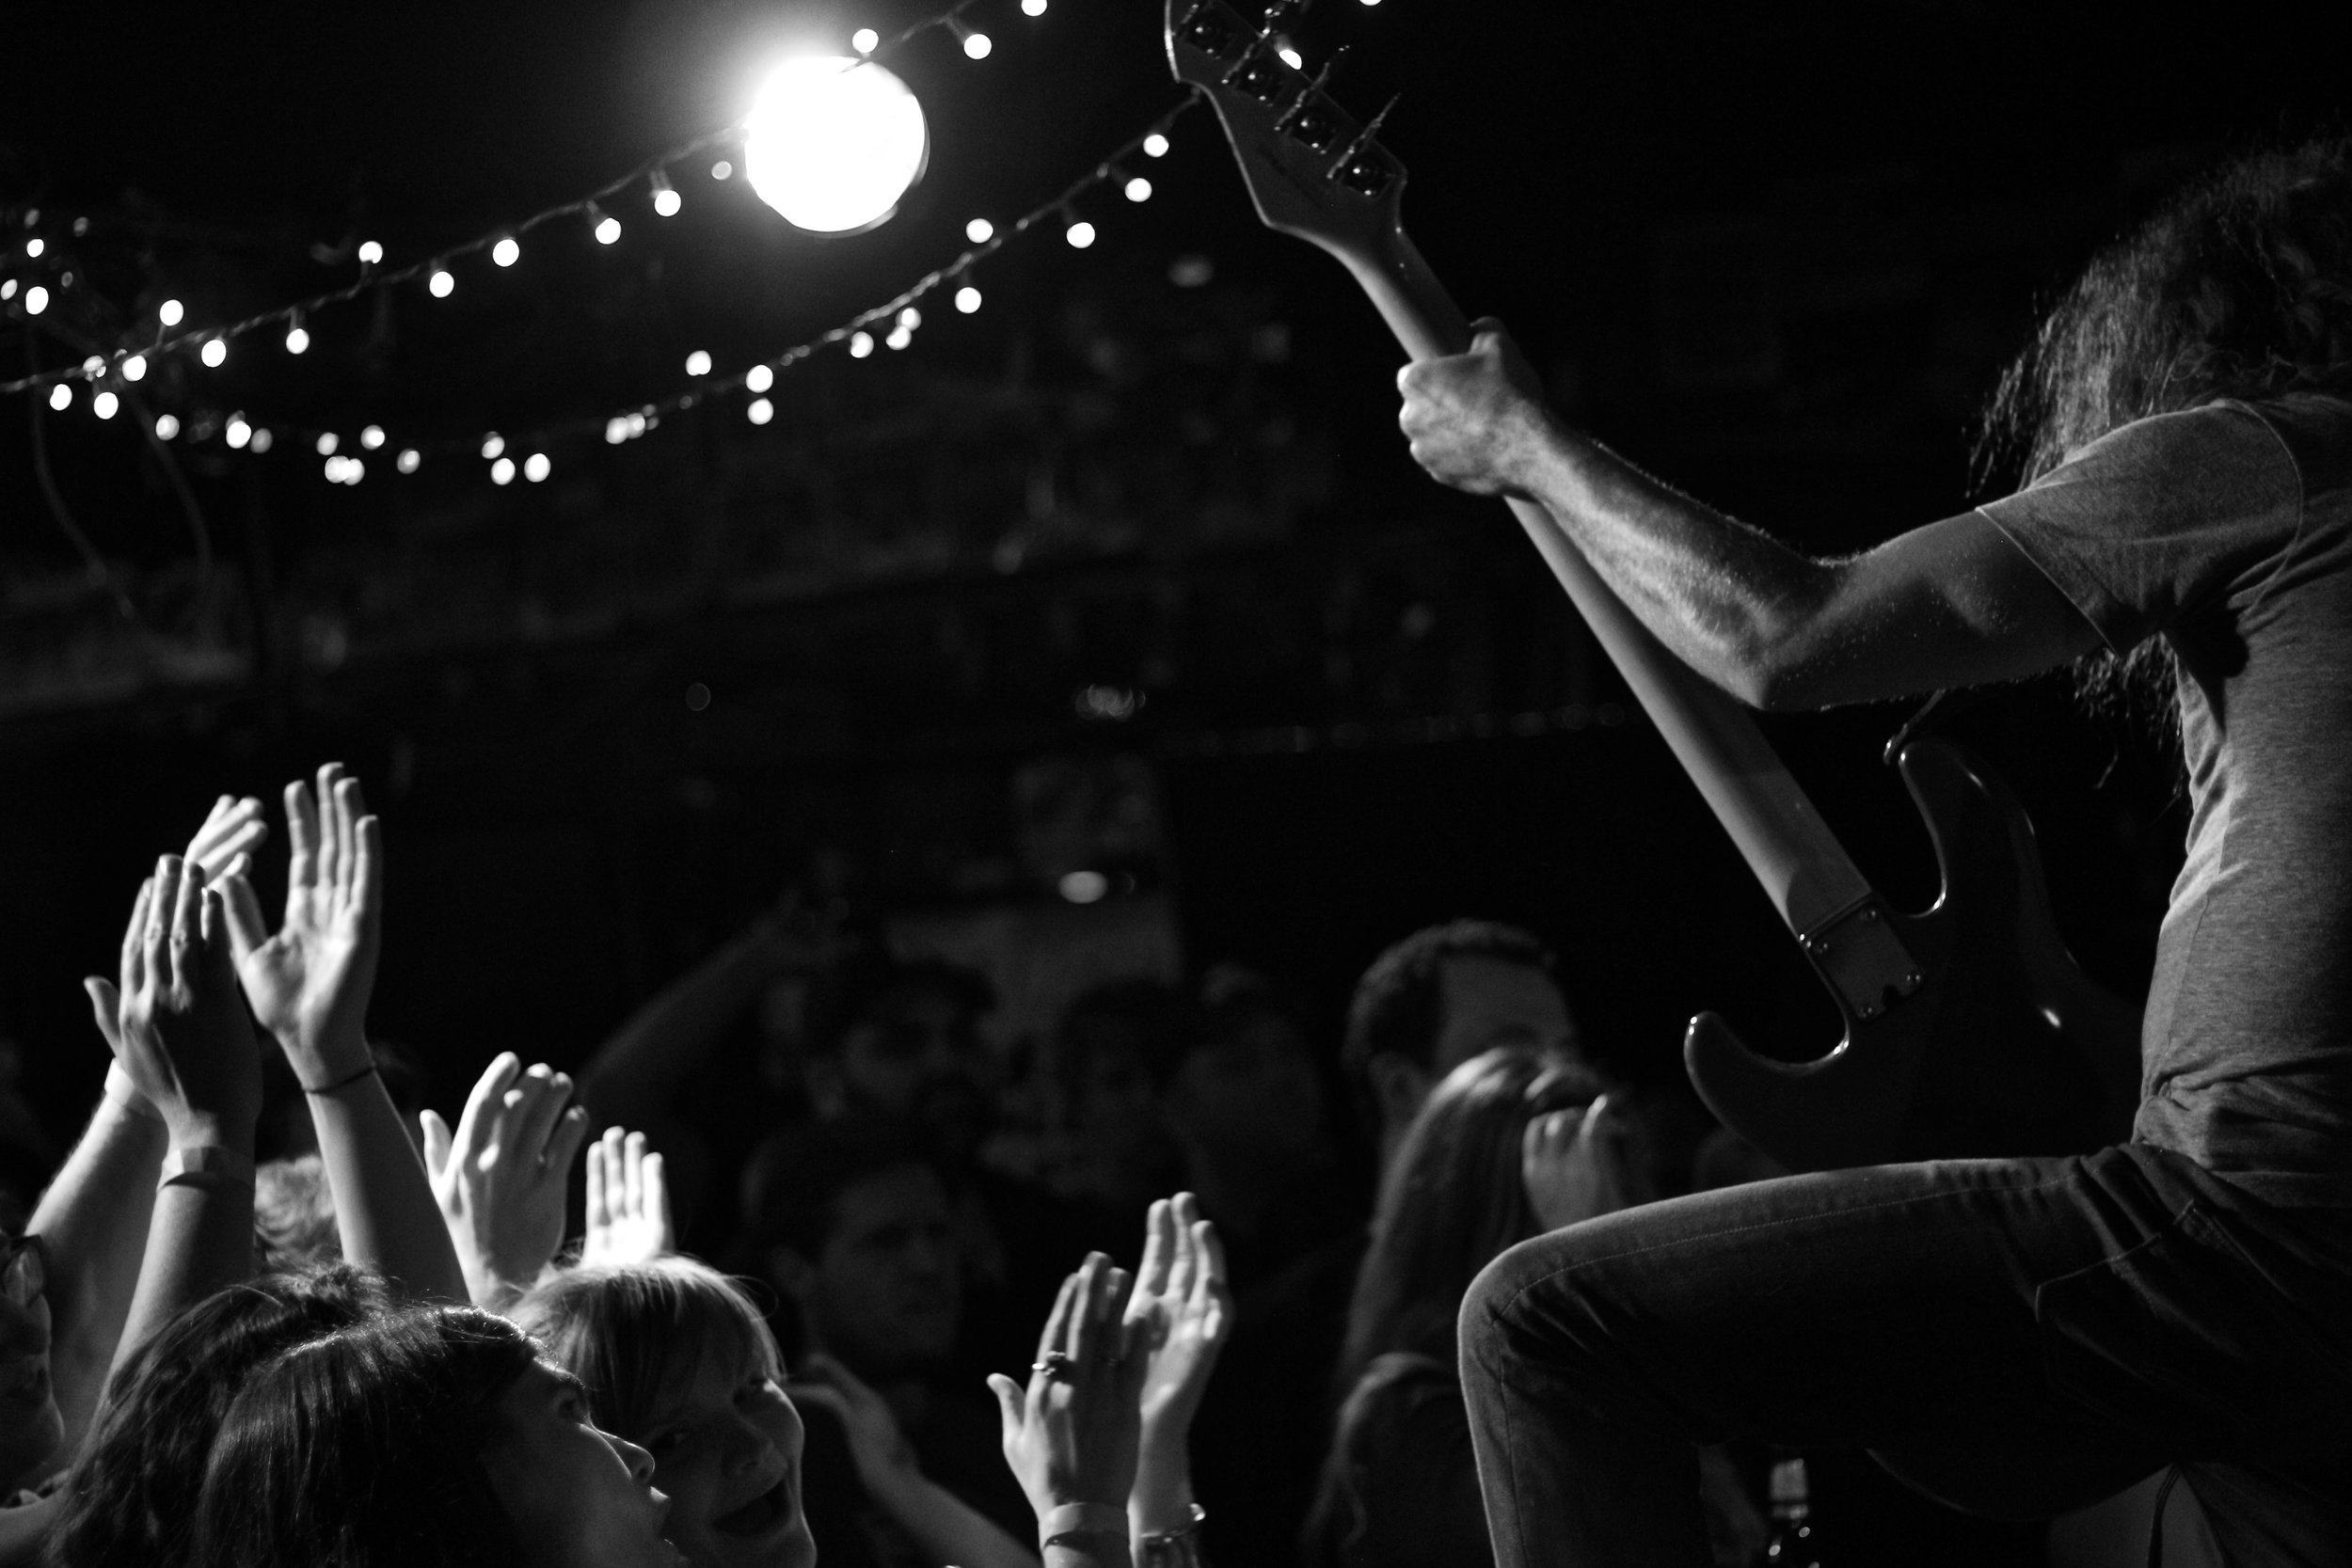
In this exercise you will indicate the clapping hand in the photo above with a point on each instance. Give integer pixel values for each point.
(500, 1179)
(224, 845)
(179, 1030)
(1071, 1435)
(310, 983)
(629, 1201)
(1184, 1313)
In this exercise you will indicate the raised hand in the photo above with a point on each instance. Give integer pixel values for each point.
(180, 1031)
(1071, 1436)
(224, 845)
(310, 983)
(1184, 1313)
(500, 1177)
(629, 1201)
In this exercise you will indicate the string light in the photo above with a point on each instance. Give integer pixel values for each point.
(261, 439)
(493, 445)
(507, 251)
(698, 362)
(36, 300)
(328, 442)
(166, 426)
(215, 352)
(35, 246)
(861, 344)
(979, 231)
(1080, 233)
(1032, 8)
(1138, 189)
(8, 288)
(61, 397)
(900, 336)
(371, 253)
(866, 40)
(535, 466)
(93, 367)
(967, 299)
(606, 228)
(975, 44)
(238, 433)
(134, 367)
(1156, 146)
(760, 411)
(297, 336)
(616, 430)
(372, 438)
(759, 378)
(666, 202)
(169, 312)
(409, 460)
(723, 170)
(442, 284)
(103, 405)
(502, 471)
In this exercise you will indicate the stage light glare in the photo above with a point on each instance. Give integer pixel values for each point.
(861, 344)
(758, 378)
(409, 460)
(441, 283)
(493, 445)
(698, 362)
(607, 230)
(261, 439)
(370, 252)
(104, 405)
(372, 438)
(866, 40)
(535, 466)
(760, 411)
(831, 143)
(1156, 146)
(167, 427)
(1080, 234)
(61, 397)
(238, 433)
(502, 471)
(1138, 189)
(134, 367)
(327, 443)
(297, 339)
(506, 252)
(169, 312)
(215, 352)
(36, 300)
(967, 299)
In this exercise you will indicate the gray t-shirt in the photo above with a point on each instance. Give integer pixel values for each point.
(2227, 531)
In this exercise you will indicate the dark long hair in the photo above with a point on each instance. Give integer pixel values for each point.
(2239, 286)
(130, 1502)
(1453, 1200)
(363, 1449)
(635, 1333)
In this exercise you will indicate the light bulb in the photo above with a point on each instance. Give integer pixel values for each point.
(666, 202)
(1156, 146)
(238, 433)
(979, 231)
(910, 318)
(372, 438)
(36, 300)
(409, 460)
(61, 397)
(502, 471)
(493, 444)
(215, 352)
(103, 405)
(616, 430)
(8, 288)
(698, 362)
(1032, 8)
(899, 337)
(723, 170)
(134, 367)
(327, 443)
(94, 365)
(861, 344)
(166, 426)
(535, 466)
(976, 46)
(354, 470)
(298, 339)
(370, 252)
(833, 143)
(866, 40)
(506, 252)
(637, 425)
(758, 378)
(35, 246)
(1138, 189)
(607, 230)
(967, 299)
(169, 312)
(441, 283)
(334, 470)
(760, 411)
(1080, 234)
(261, 438)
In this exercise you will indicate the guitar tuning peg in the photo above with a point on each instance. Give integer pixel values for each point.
(1280, 14)
(1369, 176)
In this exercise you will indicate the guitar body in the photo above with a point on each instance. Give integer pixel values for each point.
(2005, 1048)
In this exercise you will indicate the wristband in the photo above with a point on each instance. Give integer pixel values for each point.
(123, 1092)
(341, 1084)
(1071, 1522)
(1175, 1548)
(211, 1166)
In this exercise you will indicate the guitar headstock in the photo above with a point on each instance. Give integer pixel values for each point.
(1312, 170)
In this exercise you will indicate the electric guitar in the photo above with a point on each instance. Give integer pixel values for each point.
(1968, 1029)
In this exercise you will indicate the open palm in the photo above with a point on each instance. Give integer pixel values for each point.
(309, 983)
(1181, 1290)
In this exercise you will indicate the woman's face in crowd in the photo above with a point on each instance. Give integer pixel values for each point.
(31, 1427)
(578, 1497)
(726, 1447)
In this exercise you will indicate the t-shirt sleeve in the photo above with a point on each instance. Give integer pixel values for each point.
(2160, 519)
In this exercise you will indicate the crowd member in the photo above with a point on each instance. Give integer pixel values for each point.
(1115, 1050)
(1512, 1142)
(435, 1436)
(501, 1177)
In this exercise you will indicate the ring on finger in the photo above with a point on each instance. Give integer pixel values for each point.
(1056, 1364)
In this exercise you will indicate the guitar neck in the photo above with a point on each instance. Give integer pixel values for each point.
(1803, 869)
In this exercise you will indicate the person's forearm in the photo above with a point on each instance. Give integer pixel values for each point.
(199, 1241)
(943, 1525)
(636, 1072)
(94, 1218)
(385, 1211)
(1162, 1499)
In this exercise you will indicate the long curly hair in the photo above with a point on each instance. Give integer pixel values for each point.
(2239, 286)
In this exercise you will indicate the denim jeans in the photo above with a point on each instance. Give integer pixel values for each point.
(2014, 1336)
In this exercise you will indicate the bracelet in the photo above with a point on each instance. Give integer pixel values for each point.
(1072, 1523)
(123, 1092)
(341, 1084)
(1175, 1548)
(212, 1166)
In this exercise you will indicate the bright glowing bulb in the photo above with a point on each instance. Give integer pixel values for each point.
(723, 170)
(1292, 58)
(35, 246)
(1085, 887)
(372, 438)
(441, 283)
(409, 460)
(1080, 234)
(833, 144)
(94, 365)
(910, 318)
(169, 312)
(607, 230)
(1156, 146)
(967, 299)
(334, 470)
(215, 352)
(979, 231)
(758, 378)
(298, 339)
(861, 344)
(238, 433)
(61, 397)
(134, 367)
(866, 40)
(36, 300)
(166, 426)
(636, 426)
(698, 362)
(506, 252)
(1138, 189)
(616, 430)
(1371, 2)
(261, 438)
(493, 445)
(760, 411)
(370, 252)
(666, 202)
(354, 470)
(976, 45)
(899, 337)
(327, 443)
(1032, 8)
(8, 288)
(535, 466)
(104, 405)
(502, 471)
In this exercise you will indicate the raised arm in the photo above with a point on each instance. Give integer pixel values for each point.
(1953, 603)
(501, 1177)
(310, 985)
(1182, 1313)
